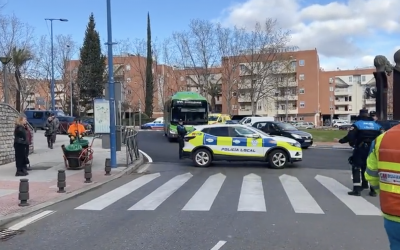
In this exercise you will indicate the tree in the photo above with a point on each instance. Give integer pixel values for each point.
(199, 55)
(139, 66)
(19, 58)
(258, 63)
(230, 43)
(91, 67)
(149, 73)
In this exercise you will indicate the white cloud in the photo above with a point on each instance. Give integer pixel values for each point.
(346, 34)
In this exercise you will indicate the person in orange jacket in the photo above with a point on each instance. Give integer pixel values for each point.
(76, 130)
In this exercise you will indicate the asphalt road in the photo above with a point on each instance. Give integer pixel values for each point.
(241, 207)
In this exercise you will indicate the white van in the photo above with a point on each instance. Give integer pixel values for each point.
(249, 121)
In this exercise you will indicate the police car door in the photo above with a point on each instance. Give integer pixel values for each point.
(217, 138)
(244, 143)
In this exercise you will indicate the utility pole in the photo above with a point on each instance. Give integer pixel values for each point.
(331, 84)
(111, 90)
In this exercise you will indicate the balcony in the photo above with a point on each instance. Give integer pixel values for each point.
(370, 101)
(342, 91)
(244, 98)
(342, 102)
(289, 111)
(289, 98)
(342, 112)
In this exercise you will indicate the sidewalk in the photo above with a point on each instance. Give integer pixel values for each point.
(45, 164)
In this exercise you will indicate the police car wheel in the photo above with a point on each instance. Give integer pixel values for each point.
(277, 159)
(202, 158)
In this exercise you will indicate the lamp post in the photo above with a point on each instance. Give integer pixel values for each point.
(113, 139)
(53, 101)
(5, 61)
(70, 80)
(331, 84)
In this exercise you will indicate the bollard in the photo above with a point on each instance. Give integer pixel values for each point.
(61, 181)
(23, 195)
(107, 166)
(88, 174)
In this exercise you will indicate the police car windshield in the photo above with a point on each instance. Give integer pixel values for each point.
(286, 126)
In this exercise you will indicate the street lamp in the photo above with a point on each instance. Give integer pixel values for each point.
(5, 61)
(53, 101)
(70, 80)
(331, 84)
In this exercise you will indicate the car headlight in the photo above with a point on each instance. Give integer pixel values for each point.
(296, 136)
(172, 132)
(295, 144)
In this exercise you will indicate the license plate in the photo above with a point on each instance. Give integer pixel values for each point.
(307, 141)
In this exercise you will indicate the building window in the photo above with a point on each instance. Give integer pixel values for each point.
(300, 118)
(182, 78)
(363, 78)
(301, 91)
(331, 89)
(350, 79)
(302, 104)
(301, 77)
(301, 63)
(242, 69)
(283, 107)
(128, 80)
(128, 67)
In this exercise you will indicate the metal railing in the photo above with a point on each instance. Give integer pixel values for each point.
(131, 144)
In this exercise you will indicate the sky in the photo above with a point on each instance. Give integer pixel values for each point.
(347, 34)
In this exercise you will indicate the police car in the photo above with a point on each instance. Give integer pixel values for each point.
(235, 142)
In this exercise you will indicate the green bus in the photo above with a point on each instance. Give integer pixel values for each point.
(191, 107)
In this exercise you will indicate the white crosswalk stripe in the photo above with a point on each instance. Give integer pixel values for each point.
(251, 198)
(153, 200)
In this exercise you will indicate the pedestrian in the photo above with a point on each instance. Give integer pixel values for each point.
(181, 134)
(383, 173)
(29, 137)
(76, 130)
(51, 130)
(56, 124)
(20, 143)
(361, 135)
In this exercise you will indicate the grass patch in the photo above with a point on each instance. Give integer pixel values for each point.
(321, 135)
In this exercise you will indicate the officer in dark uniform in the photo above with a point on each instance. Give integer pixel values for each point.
(181, 134)
(361, 135)
(372, 114)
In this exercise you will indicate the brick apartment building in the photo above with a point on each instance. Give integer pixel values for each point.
(304, 91)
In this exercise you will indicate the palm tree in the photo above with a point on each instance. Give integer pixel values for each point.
(19, 58)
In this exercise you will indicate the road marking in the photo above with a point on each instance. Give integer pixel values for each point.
(252, 194)
(158, 196)
(31, 220)
(205, 196)
(146, 155)
(109, 198)
(220, 244)
(357, 204)
(301, 200)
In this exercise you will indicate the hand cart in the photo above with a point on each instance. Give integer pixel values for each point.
(79, 158)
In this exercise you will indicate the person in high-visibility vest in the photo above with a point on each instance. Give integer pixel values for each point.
(383, 174)
(76, 129)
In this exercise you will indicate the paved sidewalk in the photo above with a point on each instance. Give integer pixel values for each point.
(45, 164)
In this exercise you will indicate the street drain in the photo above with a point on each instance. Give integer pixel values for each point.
(6, 234)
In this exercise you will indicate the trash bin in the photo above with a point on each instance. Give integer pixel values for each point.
(84, 143)
(72, 153)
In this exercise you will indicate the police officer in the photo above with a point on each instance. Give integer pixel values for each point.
(372, 114)
(181, 134)
(361, 135)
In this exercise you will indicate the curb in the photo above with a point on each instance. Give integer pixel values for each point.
(25, 212)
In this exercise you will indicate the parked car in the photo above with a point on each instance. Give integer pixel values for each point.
(285, 129)
(304, 125)
(337, 124)
(237, 118)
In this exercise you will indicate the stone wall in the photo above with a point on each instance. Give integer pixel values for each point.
(8, 115)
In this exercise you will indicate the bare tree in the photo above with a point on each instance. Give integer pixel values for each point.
(198, 50)
(139, 66)
(19, 36)
(230, 43)
(258, 62)
(64, 49)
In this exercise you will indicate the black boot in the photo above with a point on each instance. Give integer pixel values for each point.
(372, 192)
(365, 185)
(356, 191)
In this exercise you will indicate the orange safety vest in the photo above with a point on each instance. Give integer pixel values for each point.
(389, 172)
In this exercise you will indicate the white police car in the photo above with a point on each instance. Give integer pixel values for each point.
(235, 142)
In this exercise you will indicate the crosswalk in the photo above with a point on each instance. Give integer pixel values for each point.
(251, 197)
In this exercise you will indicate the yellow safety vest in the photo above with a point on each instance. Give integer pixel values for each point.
(383, 172)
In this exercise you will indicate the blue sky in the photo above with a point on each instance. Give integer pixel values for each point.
(346, 33)
(128, 17)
